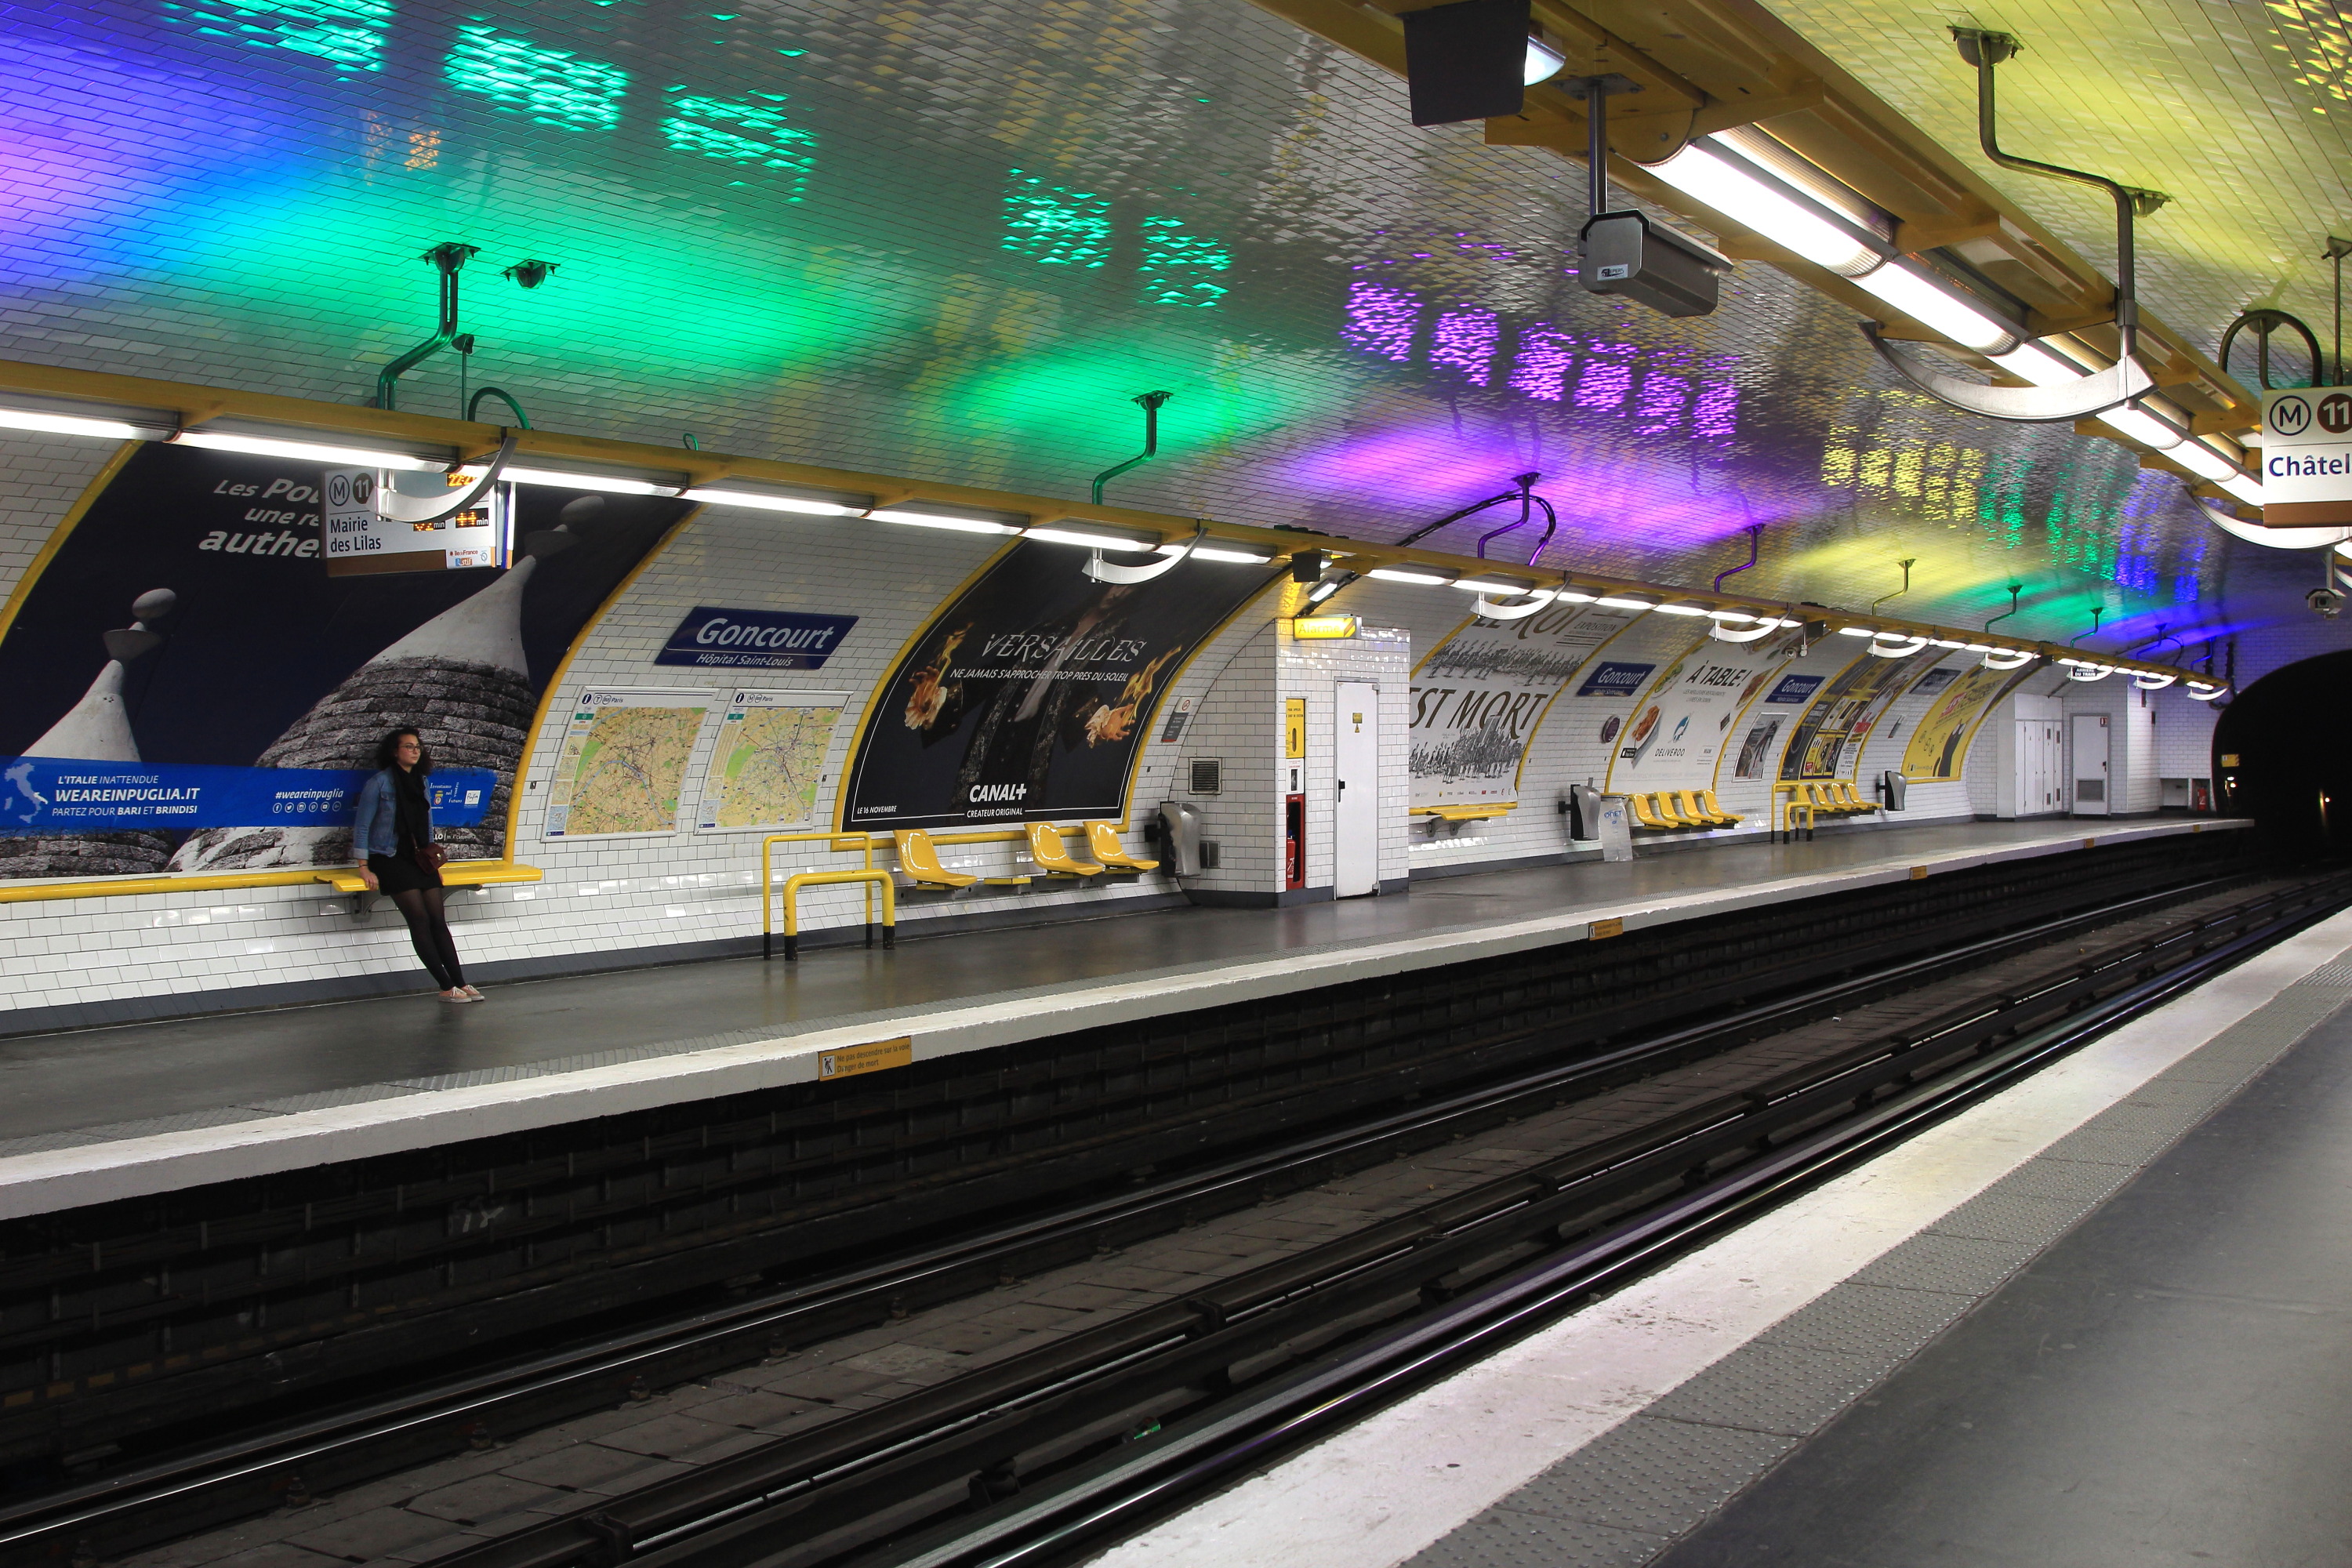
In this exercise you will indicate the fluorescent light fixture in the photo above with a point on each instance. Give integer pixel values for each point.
(1090, 540)
(1402, 575)
(1571, 596)
(1932, 305)
(1322, 591)
(1718, 182)
(1976, 648)
(1238, 555)
(304, 451)
(1680, 610)
(2138, 425)
(2148, 680)
(69, 424)
(558, 478)
(1939, 642)
(761, 501)
(1487, 585)
(1734, 615)
(1889, 650)
(2039, 365)
(1856, 632)
(2207, 695)
(1542, 63)
(1993, 659)
(2203, 461)
(1609, 601)
(2245, 487)
(953, 524)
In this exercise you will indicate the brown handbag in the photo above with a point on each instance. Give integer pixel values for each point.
(432, 856)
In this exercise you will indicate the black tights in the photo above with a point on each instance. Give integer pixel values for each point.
(428, 928)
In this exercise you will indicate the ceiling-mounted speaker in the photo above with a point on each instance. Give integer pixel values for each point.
(1466, 60)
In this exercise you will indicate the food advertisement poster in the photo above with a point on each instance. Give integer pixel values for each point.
(623, 766)
(1684, 721)
(1479, 695)
(184, 675)
(769, 760)
(1025, 699)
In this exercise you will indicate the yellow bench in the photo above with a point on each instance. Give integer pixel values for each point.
(919, 860)
(1045, 850)
(1102, 837)
(1700, 805)
(1652, 812)
(456, 874)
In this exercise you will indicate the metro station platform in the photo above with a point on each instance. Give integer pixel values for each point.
(2094, 1320)
(94, 1115)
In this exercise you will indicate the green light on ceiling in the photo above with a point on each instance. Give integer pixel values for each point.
(1174, 260)
(735, 131)
(553, 86)
(1054, 225)
(346, 34)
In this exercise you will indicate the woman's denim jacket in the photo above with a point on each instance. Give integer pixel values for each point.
(375, 830)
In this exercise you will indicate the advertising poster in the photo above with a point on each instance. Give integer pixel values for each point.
(768, 760)
(623, 766)
(1479, 696)
(1678, 733)
(1939, 744)
(1828, 739)
(187, 621)
(1025, 700)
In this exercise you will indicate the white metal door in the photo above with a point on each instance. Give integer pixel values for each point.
(1356, 819)
(2090, 771)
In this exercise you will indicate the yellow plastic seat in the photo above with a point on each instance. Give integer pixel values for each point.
(919, 858)
(1730, 819)
(1103, 839)
(1851, 801)
(1045, 848)
(1645, 813)
(1686, 803)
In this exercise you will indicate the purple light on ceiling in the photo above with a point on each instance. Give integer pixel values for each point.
(1542, 371)
(1465, 340)
(1718, 414)
(1662, 401)
(1381, 320)
(1608, 376)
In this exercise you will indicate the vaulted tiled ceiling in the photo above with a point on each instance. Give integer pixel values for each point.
(953, 239)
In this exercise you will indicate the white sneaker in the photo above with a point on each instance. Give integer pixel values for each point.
(454, 996)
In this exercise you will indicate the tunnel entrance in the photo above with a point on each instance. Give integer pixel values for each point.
(2282, 755)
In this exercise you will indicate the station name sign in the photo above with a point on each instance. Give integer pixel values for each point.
(2307, 456)
(713, 638)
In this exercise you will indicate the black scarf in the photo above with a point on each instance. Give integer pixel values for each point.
(413, 813)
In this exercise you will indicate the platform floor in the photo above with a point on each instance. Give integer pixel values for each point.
(2098, 1320)
(92, 1114)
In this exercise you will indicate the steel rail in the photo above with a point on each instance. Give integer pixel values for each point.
(733, 1513)
(432, 1420)
(1151, 1477)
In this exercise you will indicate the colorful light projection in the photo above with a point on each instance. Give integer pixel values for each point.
(1174, 260)
(1548, 364)
(347, 34)
(749, 131)
(1054, 225)
(552, 87)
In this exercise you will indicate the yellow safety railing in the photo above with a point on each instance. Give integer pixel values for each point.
(1799, 799)
(840, 843)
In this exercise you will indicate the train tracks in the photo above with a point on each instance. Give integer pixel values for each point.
(1038, 1453)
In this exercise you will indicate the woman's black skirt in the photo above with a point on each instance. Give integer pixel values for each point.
(399, 874)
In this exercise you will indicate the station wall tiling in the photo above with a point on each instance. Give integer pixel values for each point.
(954, 244)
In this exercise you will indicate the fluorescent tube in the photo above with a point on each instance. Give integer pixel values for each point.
(1718, 183)
(1933, 306)
(933, 519)
(581, 482)
(69, 424)
(304, 451)
(762, 501)
(1400, 574)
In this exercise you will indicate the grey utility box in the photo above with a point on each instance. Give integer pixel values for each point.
(1180, 837)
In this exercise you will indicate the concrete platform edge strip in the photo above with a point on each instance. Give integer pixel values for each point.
(1603, 1439)
(104, 1164)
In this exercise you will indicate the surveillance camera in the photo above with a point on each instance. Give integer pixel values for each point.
(2327, 601)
